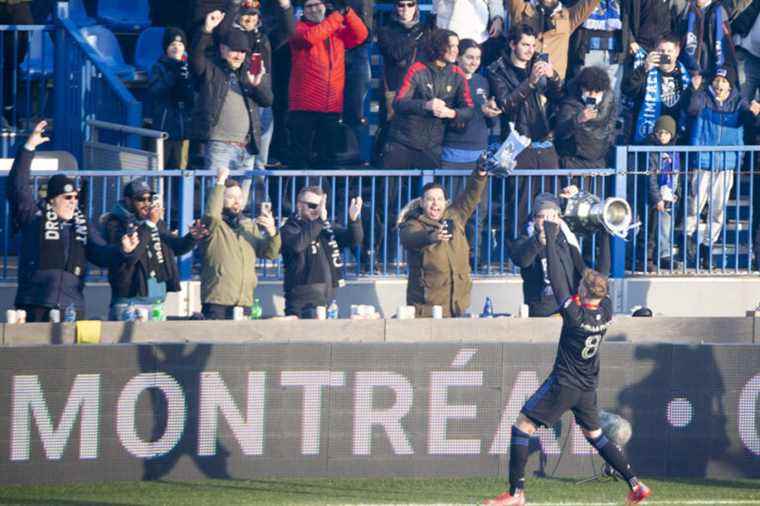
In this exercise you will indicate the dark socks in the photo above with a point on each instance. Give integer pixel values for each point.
(518, 456)
(613, 455)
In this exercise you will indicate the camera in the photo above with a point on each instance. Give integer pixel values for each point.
(589, 101)
(544, 57)
(448, 226)
(665, 59)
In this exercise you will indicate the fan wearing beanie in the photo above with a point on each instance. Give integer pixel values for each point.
(57, 239)
(170, 98)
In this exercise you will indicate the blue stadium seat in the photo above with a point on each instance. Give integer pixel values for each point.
(149, 47)
(78, 14)
(130, 15)
(39, 58)
(105, 44)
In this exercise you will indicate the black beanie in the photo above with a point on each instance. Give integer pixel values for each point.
(171, 34)
(60, 184)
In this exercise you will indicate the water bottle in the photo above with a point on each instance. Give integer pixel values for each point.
(256, 309)
(129, 313)
(332, 311)
(487, 308)
(70, 315)
(157, 312)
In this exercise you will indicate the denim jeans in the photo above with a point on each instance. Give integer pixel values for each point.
(267, 128)
(224, 154)
(749, 74)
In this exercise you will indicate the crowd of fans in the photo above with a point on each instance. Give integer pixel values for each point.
(578, 77)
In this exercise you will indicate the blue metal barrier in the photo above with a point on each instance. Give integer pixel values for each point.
(86, 88)
(385, 193)
(710, 225)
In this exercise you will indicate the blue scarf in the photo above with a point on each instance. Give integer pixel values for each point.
(695, 34)
(652, 105)
(605, 17)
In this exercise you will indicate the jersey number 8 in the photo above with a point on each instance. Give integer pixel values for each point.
(592, 346)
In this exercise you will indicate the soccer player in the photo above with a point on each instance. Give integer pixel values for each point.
(573, 381)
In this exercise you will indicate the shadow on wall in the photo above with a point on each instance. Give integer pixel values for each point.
(677, 411)
(184, 363)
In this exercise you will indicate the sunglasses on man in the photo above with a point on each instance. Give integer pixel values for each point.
(310, 205)
(406, 4)
(71, 197)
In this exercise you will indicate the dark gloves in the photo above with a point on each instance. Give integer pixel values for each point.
(551, 229)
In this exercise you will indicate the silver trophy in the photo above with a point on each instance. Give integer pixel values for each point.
(587, 213)
(500, 160)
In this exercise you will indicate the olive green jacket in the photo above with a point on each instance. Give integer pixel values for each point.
(228, 275)
(439, 272)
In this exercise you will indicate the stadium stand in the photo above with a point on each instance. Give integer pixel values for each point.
(130, 16)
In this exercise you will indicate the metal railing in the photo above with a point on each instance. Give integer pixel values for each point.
(710, 224)
(86, 89)
(494, 224)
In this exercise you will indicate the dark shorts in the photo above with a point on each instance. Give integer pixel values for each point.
(552, 400)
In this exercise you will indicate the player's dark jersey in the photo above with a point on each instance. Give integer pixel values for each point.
(583, 329)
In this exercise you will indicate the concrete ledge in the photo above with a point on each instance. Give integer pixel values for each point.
(460, 330)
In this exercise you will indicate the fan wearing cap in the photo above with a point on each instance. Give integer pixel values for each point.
(719, 115)
(529, 253)
(57, 239)
(145, 277)
(170, 98)
(226, 116)
(264, 36)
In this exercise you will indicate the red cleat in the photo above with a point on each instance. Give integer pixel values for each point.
(639, 493)
(505, 499)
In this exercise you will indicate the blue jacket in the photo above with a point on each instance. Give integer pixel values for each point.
(716, 124)
(54, 288)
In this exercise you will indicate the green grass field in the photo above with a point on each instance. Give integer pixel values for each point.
(547, 492)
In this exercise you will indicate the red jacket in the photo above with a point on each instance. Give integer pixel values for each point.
(318, 53)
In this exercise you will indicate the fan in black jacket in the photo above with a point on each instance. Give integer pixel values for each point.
(433, 95)
(57, 239)
(311, 251)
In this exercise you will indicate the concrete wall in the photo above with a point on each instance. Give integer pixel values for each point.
(667, 296)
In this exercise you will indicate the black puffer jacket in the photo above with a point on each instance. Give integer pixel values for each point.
(520, 101)
(129, 277)
(585, 145)
(416, 127)
(400, 47)
(214, 82)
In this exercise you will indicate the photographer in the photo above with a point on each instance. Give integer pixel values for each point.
(57, 239)
(527, 87)
(529, 254)
(585, 123)
(146, 276)
(311, 251)
(659, 87)
(226, 116)
(553, 24)
(228, 276)
(438, 253)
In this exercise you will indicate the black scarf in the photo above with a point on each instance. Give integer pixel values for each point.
(155, 254)
(230, 218)
(333, 255)
(52, 244)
